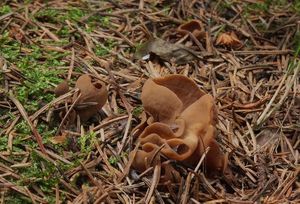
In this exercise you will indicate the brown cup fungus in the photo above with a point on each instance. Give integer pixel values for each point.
(178, 123)
(90, 98)
(194, 27)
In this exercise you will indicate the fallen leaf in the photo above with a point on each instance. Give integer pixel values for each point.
(228, 39)
(166, 51)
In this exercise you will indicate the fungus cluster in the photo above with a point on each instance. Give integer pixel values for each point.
(178, 124)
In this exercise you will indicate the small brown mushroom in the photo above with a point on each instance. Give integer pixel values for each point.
(144, 159)
(61, 88)
(91, 92)
(92, 96)
(194, 26)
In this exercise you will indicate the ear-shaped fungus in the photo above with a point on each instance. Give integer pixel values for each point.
(194, 26)
(91, 92)
(61, 88)
(180, 121)
(92, 96)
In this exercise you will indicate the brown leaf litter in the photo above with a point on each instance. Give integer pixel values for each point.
(228, 39)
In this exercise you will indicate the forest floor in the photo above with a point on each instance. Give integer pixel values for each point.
(245, 54)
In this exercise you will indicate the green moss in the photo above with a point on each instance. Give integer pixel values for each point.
(75, 14)
(296, 44)
(87, 142)
(5, 9)
(3, 143)
(39, 76)
(137, 111)
(47, 15)
(23, 128)
(16, 198)
(101, 51)
(103, 20)
(40, 71)
(42, 173)
(113, 160)
(296, 6)
(121, 111)
(53, 15)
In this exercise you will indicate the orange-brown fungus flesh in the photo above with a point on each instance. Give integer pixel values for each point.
(92, 96)
(61, 88)
(91, 92)
(180, 119)
(194, 26)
